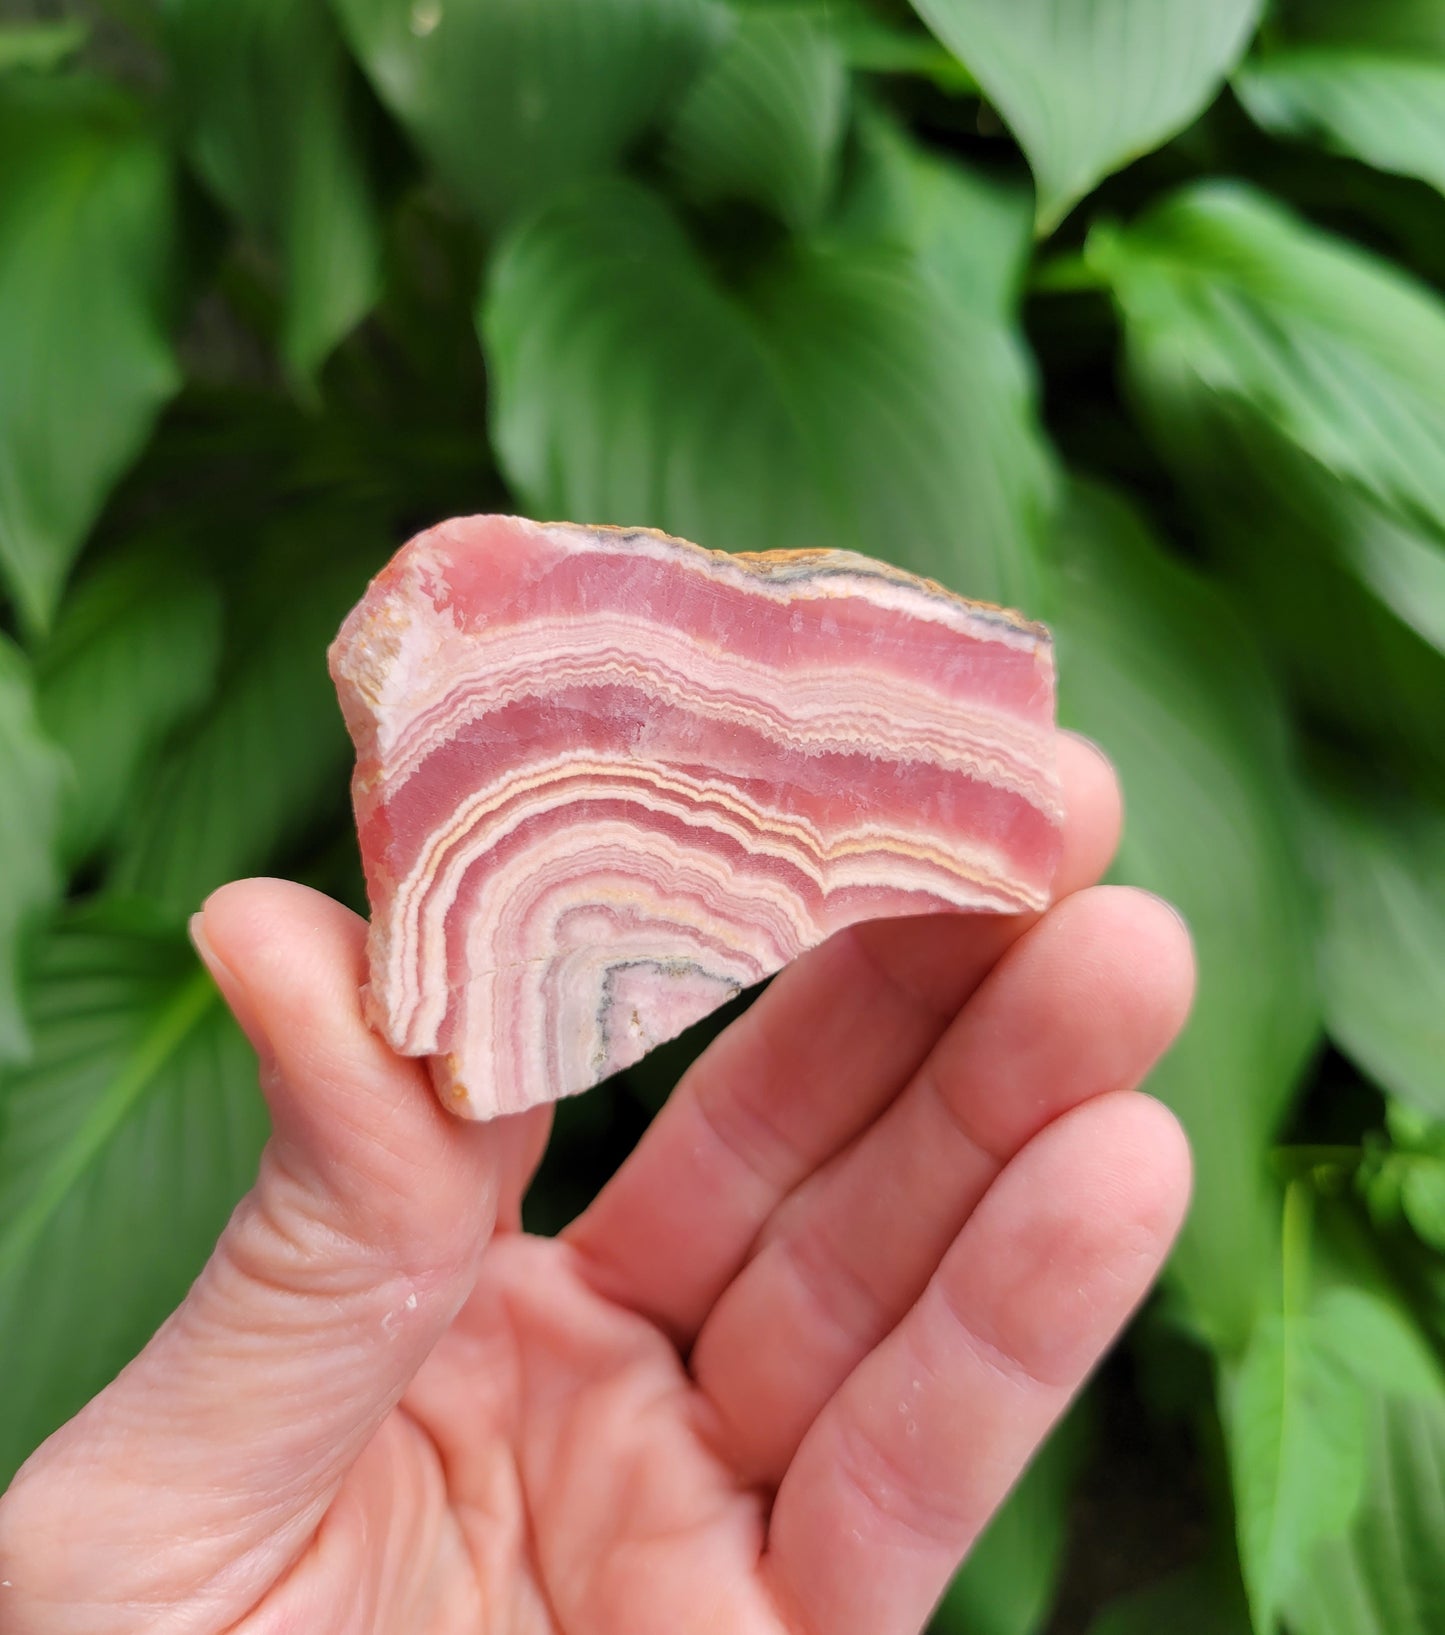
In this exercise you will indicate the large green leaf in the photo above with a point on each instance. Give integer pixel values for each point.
(32, 774)
(841, 396)
(1387, 1575)
(1008, 1584)
(1281, 371)
(85, 282)
(1338, 351)
(1344, 591)
(1402, 567)
(251, 778)
(1298, 1405)
(1388, 111)
(1368, 1328)
(126, 1143)
(1382, 952)
(40, 46)
(1155, 666)
(132, 656)
(971, 231)
(1352, 663)
(510, 98)
(1088, 85)
(1297, 1423)
(270, 106)
(765, 121)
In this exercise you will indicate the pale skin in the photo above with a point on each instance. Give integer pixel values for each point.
(773, 1382)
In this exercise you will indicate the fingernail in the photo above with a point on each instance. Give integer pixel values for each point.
(1174, 909)
(1087, 743)
(232, 990)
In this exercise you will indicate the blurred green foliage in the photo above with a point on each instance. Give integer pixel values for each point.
(1126, 311)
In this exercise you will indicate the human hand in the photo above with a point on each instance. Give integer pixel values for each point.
(774, 1381)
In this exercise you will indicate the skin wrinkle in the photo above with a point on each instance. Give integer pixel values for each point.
(288, 1155)
(780, 1059)
(910, 1002)
(632, 1357)
(271, 1509)
(491, 1595)
(997, 1358)
(890, 1490)
(934, 1015)
(753, 1154)
(932, 1087)
(528, 1528)
(835, 1290)
(284, 1618)
(283, 1252)
(363, 1245)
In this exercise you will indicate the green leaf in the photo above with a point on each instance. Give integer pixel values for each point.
(1422, 1196)
(511, 98)
(40, 46)
(251, 778)
(1377, 1340)
(1296, 1424)
(1402, 568)
(1382, 949)
(1332, 579)
(32, 774)
(1337, 350)
(1387, 1575)
(1388, 111)
(969, 230)
(132, 656)
(125, 1145)
(270, 105)
(1008, 1583)
(85, 281)
(1088, 85)
(765, 121)
(841, 396)
(1415, 1169)
(1299, 1407)
(1413, 1130)
(1154, 665)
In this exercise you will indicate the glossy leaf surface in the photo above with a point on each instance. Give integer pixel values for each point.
(1088, 85)
(86, 243)
(138, 1072)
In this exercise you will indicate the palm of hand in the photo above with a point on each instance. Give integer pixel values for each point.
(776, 1378)
(560, 1472)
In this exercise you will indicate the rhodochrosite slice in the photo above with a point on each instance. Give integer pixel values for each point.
(606, 779)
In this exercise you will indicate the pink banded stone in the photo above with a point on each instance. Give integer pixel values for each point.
(606, 779)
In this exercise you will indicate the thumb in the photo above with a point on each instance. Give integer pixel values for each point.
(207, 1465)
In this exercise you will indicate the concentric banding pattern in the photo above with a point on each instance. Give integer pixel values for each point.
(605, 780)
